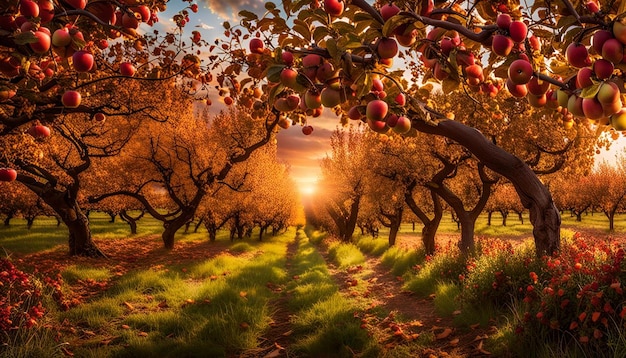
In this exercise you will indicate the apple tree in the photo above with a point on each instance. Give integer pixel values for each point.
(563, 56)
(61, 60)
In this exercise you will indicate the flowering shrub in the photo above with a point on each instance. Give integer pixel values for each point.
(498, 274)
(20, 298)
(580, 292)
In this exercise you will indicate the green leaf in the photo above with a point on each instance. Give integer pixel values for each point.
(25, 37)
(248, 15)
(302, 28)
(320, 33)
(331, 46)
(591, 91)
(273, 72)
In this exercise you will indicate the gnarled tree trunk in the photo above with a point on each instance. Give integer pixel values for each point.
(534, 196)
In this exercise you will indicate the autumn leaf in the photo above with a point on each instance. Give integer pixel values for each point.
(243, 294)
(244, 325)
(446, 332)
(142, 334)
(67, 352)
(454, 342)
(273, 354)
(128, 305)
(595, 316)
(125, 326)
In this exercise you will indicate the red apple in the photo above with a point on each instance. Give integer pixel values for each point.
(334, 7)
(520, 72)
(592, 108)
(613, 50)
(518, 31)
(324, 72)
(403, 125)
(288, 77)
(378, 126)
(39, 131)
(127, 69)
(376, 110)
(354, 113)
(599, 38)
(71, 99)
(388, 11)
(256, 45)
(82, 61)
(387, 48)
(100, 117)
(502, 45)
(537, 86)
(608, 93)
(330, 97)
(29, 8)
(577, 55)
(603, 68)
(575, 106)
(143, 11)
(8, 174)
(287, 58)
(583, 77)
(400, 99)
(537, 101)
(515, 89)
(61, 37)
(313, 99)
(503, 21)
(43, 43)
(46, 11)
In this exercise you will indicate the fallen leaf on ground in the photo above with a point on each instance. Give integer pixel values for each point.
(446, 332)
(454, 342)
(243, 293)
(142, 334)
(456, 313)
(244, 325)
(125, 326)
(288, 333)
(163, 304)
(129, 306)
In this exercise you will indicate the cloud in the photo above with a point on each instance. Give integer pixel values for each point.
(206, 27)
(228, 10)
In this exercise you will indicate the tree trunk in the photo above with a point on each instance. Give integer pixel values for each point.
(534, 196)
(195, 229)
(489, 213)
(80, 240)
(579, 216)
(393, 234)
(505, 215)
(29, 222)
(112, 216)
(172, 226)
(131, 221)
(7, 220)
(212, 233)
(520, 215)
(428, 236)
(467, 233)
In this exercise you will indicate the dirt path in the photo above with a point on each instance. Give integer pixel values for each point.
(395, 316)
(275, 342)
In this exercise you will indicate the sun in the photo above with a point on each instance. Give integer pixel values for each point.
(308, 189)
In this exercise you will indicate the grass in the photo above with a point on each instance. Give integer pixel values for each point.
(345, 255)
(215, 307)
(323, 319)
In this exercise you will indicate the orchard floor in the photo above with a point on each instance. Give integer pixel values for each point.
(379, 289)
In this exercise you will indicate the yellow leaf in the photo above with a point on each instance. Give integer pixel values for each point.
(454, 342)
(243, 293)
(142, 334)
(129, 306)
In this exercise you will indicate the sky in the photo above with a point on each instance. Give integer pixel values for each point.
(301, 152)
